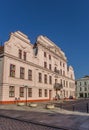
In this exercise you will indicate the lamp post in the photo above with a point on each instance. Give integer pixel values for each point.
(26, 93)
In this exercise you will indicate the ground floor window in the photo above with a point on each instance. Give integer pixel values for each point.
(21, 92)
(11, 91)
(45, 92)
(40, 92)
(81, 95)
(29, 92)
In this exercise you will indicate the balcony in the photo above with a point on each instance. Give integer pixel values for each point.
(58, 86)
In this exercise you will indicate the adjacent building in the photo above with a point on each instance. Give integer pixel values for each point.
(82, 87)
(36, 72)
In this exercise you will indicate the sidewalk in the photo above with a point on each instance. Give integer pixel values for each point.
(56, 116)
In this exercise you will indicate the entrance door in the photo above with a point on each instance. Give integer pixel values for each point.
(50, 94)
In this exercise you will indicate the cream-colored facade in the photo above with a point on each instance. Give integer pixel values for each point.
(36, 72)
(82, 87)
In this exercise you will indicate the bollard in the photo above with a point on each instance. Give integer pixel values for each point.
(87, 107)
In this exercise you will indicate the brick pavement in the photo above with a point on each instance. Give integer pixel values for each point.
(55, 117)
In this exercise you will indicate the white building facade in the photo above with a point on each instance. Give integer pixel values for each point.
(82, 87)
(30, 73)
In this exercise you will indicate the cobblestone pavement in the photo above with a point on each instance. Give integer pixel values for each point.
(55, 117)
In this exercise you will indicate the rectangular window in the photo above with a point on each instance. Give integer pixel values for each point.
(24, 56)
(40, 92)
(55, 80)
(22, 71)
(45, 92)
(50, 66)
(50, 79)
(20, 54)
(29, 92)
(40, 77)
(29, 74)
(45, 64)
(11, 91)
(21, 92)
(44, 54)
(12, 70)
(45, 79)
(49, 57)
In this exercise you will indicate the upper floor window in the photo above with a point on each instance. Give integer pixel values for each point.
(63, 72)
(63, 64)
(50, 79)
(55, 80)
(21, 92)
(45, 78)
(29, 74)
(12, 70)
(45, 54)
(29, 92)
(85, 88)
(20, 54)
(49, 57)
(22, 71)
(60, 63)
(85, 83)
(50, 67)
(45, 64)
(24, 55)
(80, 83)
(80, 89)
(40, 77)
(11, 91)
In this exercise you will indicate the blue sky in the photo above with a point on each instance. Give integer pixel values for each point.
(65, 22)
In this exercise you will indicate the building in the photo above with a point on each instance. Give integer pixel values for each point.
(82, 87)
(36, 72)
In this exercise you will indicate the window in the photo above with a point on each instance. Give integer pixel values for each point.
(63, 72)
(45, 64)
(60, 71)
(40, 92)
(85, 83)
(80, 83)
(29, 92)
(85, 88)
(29, 74)
(63, 64)
(50, 66)
(45, 54)
(80, 89)
(40, 77)
(45, 92)
(60, 63)
(11, 91)
(50, 79)
(49, 57)
(12, 70)
(22, 70)
(20, 54)
(45, 79)
(55, 80)
(21, 91)
(24, 56)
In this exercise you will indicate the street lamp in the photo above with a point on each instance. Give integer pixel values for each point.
(26, 93)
